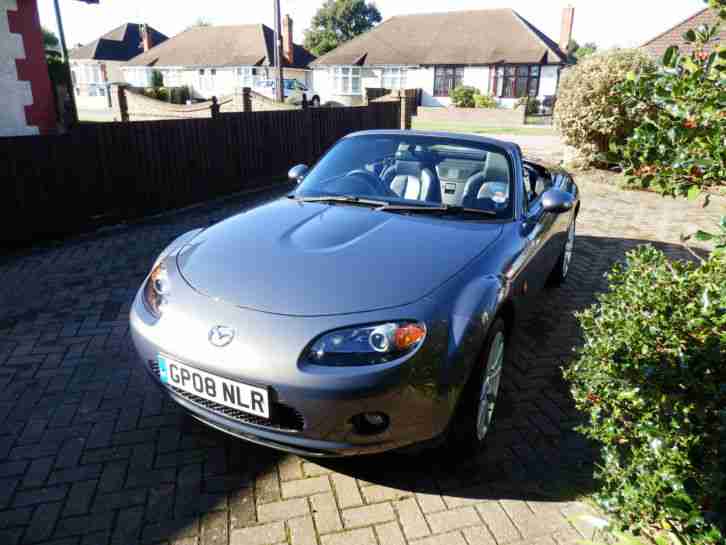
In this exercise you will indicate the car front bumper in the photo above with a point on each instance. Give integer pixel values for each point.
(312, 409)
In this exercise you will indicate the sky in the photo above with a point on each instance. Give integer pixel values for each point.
(608, 23)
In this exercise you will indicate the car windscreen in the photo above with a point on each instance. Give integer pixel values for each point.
(416, 169)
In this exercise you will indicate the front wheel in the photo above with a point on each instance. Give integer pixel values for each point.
(564, 263)
(475, 413)
(315, 102)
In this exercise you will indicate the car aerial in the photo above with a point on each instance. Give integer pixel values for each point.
(368, 310)
(294, 91)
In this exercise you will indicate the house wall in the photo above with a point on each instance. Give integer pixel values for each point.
(549, 79)
(28, 106)
(422, 77)
(223, 83)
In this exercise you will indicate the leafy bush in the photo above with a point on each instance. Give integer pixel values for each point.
(587, 112)
(463, 96)
(179, 95)
(652, 378)
(485, 101)
(680, 146)
(157, 79)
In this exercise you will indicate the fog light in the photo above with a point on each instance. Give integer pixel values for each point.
(370, 423)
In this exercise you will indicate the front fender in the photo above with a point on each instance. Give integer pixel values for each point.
(472, 315)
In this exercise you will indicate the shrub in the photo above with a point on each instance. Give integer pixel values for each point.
(179, 95)
(587, 112)
(162, 93)
(651, 377)
(463, 96)
(680, 146)
(157, 79)
(485, 101)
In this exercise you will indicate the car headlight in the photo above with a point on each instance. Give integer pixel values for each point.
(366, 345)
(156, 290)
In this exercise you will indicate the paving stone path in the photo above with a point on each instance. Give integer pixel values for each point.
(90, 453)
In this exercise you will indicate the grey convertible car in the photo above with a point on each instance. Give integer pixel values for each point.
(370, 309)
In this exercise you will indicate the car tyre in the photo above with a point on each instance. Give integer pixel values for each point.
(564, 263)
(475, 413)
(315, 102)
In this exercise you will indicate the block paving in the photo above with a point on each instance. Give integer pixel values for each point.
(92, 454)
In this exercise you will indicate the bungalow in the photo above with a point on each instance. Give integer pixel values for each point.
(497, 51)
(657, 46)
(97, 65)
(215, 60)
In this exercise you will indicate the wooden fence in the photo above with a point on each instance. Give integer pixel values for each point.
(109, 172)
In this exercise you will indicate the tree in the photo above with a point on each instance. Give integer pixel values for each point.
(50, 40)
(577, 52)
(338, 21)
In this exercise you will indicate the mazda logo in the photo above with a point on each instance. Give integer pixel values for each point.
(221, 335)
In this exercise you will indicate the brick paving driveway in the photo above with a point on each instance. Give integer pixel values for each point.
(90, 452)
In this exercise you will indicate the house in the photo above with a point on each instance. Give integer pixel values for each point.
(674, 36)
(215, 60)
(97, 65)
(497, 51)
(26, 96)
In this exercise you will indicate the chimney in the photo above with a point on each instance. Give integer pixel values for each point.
(568, 20)
(288, 49)
(145, 37)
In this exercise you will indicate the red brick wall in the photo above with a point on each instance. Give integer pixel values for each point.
(658, 45)
(32, 68)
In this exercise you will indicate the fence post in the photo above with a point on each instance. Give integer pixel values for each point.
(119, 102)
(242, 99)
(405, 111)
(214, 108)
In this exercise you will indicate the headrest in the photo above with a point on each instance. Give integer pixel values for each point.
(408, 168)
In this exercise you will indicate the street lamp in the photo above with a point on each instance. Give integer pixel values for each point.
(279, 91)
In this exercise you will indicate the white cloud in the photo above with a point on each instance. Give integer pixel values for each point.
(609, 23)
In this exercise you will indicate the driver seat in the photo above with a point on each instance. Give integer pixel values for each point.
(496, 169)
(412, 180)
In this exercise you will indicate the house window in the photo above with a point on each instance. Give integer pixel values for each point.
(246, 76)
(447, 78)
(516, 81)
(394, 78)
(346, 80)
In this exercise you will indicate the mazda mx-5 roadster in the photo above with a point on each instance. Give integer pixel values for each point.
(371, 308)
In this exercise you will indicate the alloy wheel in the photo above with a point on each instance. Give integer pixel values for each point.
(569, 250)
(490, 385)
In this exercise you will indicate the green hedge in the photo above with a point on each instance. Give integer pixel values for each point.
(652, 379)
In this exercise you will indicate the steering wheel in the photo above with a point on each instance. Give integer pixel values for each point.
(374, 183)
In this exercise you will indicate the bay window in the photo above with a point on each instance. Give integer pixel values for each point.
(346, 80)
(516, 81)
(394, 77)
(447, 78)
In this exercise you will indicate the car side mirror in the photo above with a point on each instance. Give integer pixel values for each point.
(557, 201)
(297, 173)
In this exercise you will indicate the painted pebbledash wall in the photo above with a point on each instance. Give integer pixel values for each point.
(26, 98)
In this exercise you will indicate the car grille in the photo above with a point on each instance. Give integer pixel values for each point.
(282, 417)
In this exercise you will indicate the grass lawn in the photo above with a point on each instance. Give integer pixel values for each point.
(457, 126)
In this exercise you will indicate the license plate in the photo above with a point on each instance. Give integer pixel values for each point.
(243, 397)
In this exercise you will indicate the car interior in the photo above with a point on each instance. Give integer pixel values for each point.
(448, 174)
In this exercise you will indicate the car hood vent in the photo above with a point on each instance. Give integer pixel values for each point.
(313, 259)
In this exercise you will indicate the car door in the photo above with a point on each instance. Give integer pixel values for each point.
(536, 232)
